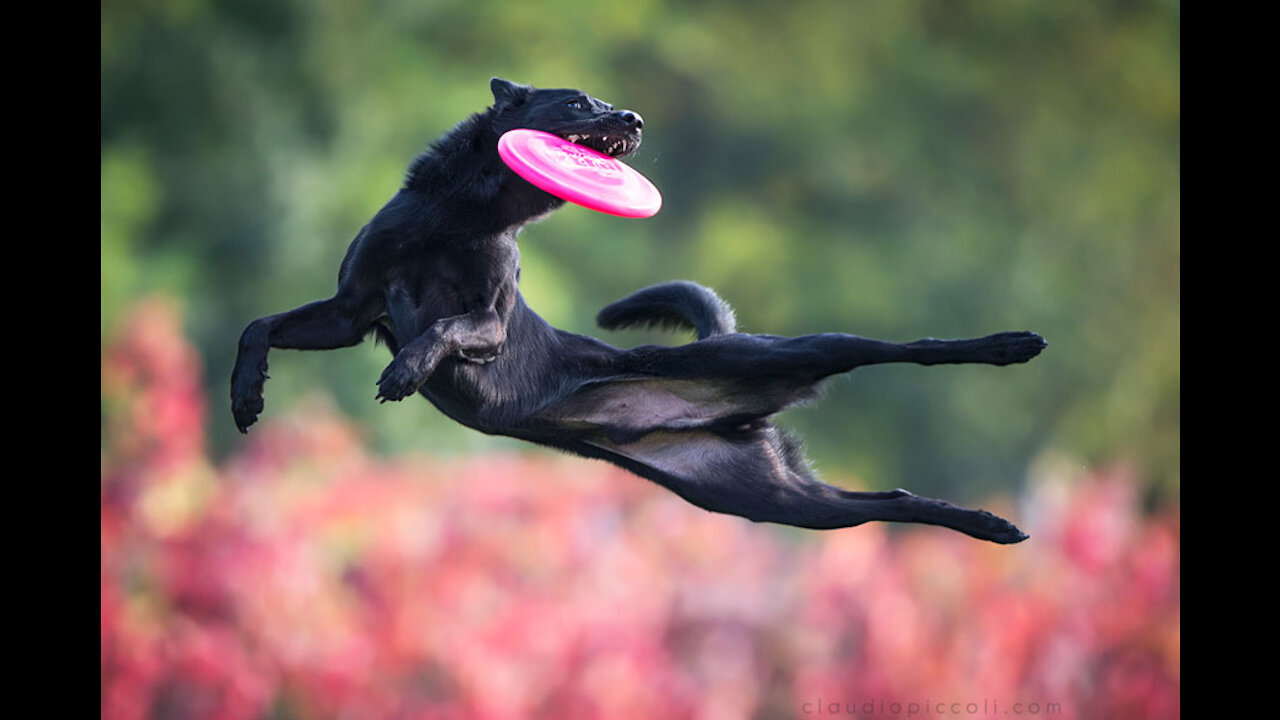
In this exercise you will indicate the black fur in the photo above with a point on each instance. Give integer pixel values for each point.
(679, 304)
(434, 275)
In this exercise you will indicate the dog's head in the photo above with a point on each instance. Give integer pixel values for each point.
(570, 114)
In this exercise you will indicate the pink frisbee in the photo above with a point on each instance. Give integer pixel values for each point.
(579, 174)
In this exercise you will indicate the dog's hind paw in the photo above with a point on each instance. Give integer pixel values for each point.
(986, 526)
(1008, 348)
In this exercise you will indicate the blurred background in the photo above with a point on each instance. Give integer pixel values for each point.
(894, 170)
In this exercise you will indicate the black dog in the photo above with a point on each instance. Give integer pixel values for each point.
(434, 275)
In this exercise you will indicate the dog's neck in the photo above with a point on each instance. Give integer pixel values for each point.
(463, 172)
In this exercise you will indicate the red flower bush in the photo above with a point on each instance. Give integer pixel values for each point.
(305, 578)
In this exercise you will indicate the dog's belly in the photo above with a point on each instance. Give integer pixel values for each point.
(496, 398)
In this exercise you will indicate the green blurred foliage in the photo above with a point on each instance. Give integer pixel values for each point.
(896, 170)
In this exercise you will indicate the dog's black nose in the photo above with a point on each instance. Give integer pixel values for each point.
(631, 119)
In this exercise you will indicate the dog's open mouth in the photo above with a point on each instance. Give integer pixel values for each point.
(611, 144)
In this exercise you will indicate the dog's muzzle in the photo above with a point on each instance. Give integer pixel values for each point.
(615, 134)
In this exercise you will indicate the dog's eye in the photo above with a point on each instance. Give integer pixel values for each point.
(575, 104)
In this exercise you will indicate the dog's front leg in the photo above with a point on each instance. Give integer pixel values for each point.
(475, 337)
(338, 322)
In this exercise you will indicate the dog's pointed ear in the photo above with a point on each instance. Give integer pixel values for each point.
(507, 93)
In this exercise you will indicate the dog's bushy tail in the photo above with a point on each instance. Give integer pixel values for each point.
(677, 304)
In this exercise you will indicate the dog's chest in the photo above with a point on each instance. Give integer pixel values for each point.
(453, 281)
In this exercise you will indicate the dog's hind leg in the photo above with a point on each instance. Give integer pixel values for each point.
(694, 418)
(687, 304)
(738, 356)
(1005, 348)
(730, 380)
(321, 325)
(760, 474)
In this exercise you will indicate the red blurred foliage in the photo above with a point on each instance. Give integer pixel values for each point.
(305, 578)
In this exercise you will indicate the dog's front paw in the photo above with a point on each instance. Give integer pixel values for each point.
(398, 381)
(246, 395)
(1016, 347)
